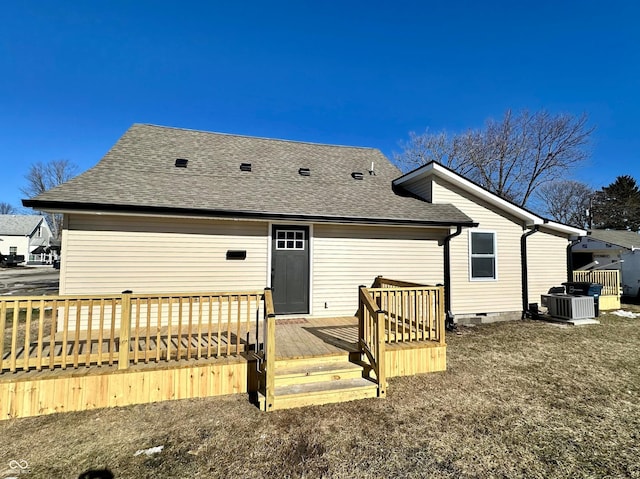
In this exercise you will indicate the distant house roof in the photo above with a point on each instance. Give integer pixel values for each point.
(140, 174)
(624, 239)
(19, 225)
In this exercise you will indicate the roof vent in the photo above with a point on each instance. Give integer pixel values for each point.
(356, 175)
(181, 163)
(304, 172)
(245, 166)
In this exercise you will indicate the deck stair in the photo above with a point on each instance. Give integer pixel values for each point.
(318, 380)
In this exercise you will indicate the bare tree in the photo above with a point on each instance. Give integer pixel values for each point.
(7, 209)
(44, 176)
(512, 157)
(566, 201)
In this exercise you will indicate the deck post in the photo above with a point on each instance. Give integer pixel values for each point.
(361, 291)
(381, 347)
(269, 351)
(125, 329)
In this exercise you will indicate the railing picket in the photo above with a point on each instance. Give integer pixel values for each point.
(190, 328)
(52, 336)
(3, 325)
(229, 338)
(136, 332)
(41, 316)
(14, 337)
(199, 349)
(147, 336)
(101, 331)
(65, 331)
(112, 335)
(169, 326)
(27, 336)
(89, 332)
(179, 342)
(219, 323)
(76, 338)
(158, 329)
(239, 321)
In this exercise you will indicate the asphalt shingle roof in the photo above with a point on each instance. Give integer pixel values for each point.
(626, 239)
(18, 225)
(140, 172)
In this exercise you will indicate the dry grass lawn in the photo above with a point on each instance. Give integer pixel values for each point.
(521, 399)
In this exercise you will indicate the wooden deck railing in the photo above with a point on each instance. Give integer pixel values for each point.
(62, 331)
(608, 278)
(414, 312)
(371, 334)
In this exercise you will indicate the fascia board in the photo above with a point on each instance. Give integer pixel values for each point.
(470, 187)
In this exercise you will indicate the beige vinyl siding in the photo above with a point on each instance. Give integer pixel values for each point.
(345, 257)
(546, 263)
(109, 254)
(472, 297)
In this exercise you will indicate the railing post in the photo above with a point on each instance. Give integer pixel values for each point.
(381, 359)
(361, 291)
(269, 351)
(441, 314)
(125, 329)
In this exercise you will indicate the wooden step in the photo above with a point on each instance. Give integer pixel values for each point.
(310, 360)
(325, 392)
(323, 371)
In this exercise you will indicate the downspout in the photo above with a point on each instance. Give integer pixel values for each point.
(525, 272)
(570, 246)
(448, 322)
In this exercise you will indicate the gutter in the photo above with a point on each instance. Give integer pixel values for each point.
(230, 214)
(524, 270)
(449, 324)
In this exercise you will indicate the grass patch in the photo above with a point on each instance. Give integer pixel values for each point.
(520, 399)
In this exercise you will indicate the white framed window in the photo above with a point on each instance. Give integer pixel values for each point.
(483, 264)
(13, 250)
(290, 239)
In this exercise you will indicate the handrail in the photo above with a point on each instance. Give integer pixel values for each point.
(371, 337)
(381, 282)
(269, 350)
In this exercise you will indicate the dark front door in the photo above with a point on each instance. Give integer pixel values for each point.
(290, 269)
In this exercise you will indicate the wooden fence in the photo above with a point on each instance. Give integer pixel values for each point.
(608, 278)
(62, 331)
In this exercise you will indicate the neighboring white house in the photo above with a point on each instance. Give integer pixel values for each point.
(612, 249)
(28, 236)
(173, 210)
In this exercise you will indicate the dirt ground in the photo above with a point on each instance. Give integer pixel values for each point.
(520, 399)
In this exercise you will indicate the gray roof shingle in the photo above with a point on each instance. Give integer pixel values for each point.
(139, 172)
(626, 239)
(18, 225)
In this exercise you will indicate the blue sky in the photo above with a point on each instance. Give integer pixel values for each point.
(75, 75)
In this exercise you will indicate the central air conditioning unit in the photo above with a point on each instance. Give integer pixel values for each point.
(564, 306)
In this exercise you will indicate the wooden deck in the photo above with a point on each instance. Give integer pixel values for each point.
(78, 353)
